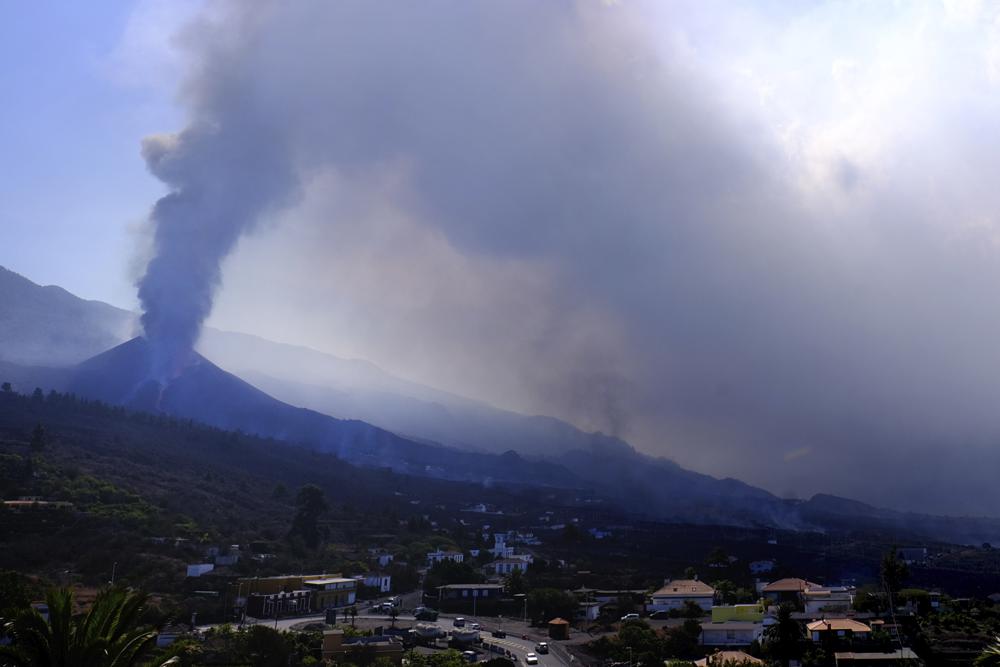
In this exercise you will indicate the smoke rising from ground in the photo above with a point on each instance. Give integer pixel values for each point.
(762, 242)
(222, 177)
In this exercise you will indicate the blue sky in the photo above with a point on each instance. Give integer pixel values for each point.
(73, 187)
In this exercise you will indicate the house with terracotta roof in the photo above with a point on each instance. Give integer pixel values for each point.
(843, 629)
(788, 590)
(675, 594)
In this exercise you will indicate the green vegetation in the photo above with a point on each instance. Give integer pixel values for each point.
(990, 657)
(639, 644)
(784, 638)
(447, 572)
(893, 571)
(544, 604)
(150, 493)
(311, 505)
(108, 635)
(257, 645)
(450, 658)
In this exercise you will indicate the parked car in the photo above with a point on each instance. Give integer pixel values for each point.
(475, 626)
(499, 634)
(543, 647)
(425, 614)
(630, 617)
(469, 656)
(531, 659)
(459, 622)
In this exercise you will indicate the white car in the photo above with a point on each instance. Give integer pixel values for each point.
(531, 659)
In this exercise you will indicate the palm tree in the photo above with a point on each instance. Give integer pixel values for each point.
(990, 657)
(783, 637)
(108, 635)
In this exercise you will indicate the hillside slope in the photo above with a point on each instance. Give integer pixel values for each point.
(48, 326)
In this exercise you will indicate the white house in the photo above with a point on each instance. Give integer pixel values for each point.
(588, 611)
(438, 556)
(731, 633)
(835, 599)
(675, 594)
(506, 566)
(198, 569)
(500, 548)
(379, 581)
(381, 556)
(230, 558)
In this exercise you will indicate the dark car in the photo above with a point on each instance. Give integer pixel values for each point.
(425, 614)
(499, 634)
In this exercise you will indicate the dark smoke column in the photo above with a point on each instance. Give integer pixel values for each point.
(221, 181)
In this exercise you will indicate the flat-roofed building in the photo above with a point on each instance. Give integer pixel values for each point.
(833, 600)
(331, 592)
(731, 633)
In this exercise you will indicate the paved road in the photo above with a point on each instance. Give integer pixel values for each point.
(513, 642)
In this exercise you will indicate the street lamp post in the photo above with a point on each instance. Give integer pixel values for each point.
(524, 596)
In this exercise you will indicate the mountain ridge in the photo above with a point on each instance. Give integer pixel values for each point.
(592, 462)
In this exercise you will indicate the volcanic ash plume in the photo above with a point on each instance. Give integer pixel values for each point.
(221, 180)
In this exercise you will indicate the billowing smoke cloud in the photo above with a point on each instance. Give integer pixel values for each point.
(222, 177)
(762, 242)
